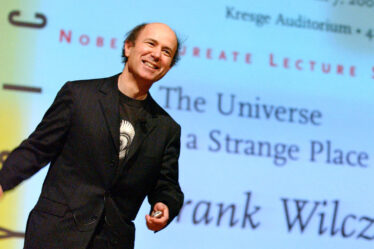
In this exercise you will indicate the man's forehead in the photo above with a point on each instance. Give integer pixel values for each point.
(159, 32)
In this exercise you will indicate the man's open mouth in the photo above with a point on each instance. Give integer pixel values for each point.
(150, 65)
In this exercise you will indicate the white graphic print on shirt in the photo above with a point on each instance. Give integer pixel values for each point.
(127, 133)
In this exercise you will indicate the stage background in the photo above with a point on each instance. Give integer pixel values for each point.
(296, 76)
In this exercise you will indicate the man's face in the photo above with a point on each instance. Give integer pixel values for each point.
(149, 59)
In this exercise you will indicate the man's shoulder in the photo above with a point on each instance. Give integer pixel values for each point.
(89, 88)
(93, 83)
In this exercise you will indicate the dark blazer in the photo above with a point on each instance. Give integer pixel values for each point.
(79, 137)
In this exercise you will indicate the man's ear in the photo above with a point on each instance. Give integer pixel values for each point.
(128, 46)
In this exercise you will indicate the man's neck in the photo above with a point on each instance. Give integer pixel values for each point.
(131, 87)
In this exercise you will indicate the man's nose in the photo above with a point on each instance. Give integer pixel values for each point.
(156, 53)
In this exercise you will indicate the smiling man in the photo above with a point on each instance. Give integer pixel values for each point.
(109, 145)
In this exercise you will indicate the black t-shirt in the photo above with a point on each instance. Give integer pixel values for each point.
(131, 111)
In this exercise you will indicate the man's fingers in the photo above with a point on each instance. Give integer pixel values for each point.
(166, 212)
(161, 220)
(153, 220)
(155, 224)
(159, 206)
(1, 191)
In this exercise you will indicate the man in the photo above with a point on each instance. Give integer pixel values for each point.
(109, 145)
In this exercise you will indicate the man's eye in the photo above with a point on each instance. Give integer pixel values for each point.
(167, 52)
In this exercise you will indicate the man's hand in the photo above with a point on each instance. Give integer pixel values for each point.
(156, 224)
(1, 191)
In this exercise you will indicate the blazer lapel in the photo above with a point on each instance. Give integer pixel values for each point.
(109, 101)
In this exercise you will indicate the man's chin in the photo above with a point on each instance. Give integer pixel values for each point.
(151, 77)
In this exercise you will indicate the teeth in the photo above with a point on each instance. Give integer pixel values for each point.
(150, 65)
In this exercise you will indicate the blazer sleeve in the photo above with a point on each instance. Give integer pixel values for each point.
(43, 145)
(167, 189)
